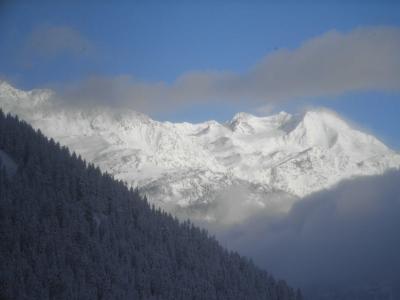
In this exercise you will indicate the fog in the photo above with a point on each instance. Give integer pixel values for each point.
(338, 239)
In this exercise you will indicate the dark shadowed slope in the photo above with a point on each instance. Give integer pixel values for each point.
(70, 232)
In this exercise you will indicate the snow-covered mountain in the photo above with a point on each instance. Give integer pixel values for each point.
(210, 169)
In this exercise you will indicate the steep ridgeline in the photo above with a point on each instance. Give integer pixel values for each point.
(68, 231)
(196, 169)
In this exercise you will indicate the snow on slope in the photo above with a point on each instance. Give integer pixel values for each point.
(253, 162)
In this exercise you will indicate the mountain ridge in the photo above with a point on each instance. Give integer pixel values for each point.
(69, 231)
(184, 165)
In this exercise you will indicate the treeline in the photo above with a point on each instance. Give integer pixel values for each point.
(68, 231)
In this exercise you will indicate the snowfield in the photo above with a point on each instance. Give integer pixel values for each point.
(202, 169)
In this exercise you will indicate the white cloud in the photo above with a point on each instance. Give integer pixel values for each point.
(51, 41)
(335, 63)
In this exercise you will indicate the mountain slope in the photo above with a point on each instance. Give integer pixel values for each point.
(70, 232)
(190, 168)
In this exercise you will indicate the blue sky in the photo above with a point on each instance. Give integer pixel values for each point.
(65, 44)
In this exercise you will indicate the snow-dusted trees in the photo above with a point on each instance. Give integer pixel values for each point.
(67, 231)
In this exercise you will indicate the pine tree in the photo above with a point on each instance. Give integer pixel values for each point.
(69, 231)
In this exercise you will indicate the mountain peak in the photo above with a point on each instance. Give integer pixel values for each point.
(241, 117)
(319, 121)
(240, 122)
(323, 115)
(183, 163)
(11, 96)
(7, 89)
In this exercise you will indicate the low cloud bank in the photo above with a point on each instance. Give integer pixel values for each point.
(343, 239)
(334, 63)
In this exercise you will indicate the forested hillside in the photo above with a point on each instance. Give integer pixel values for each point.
(67, 231)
